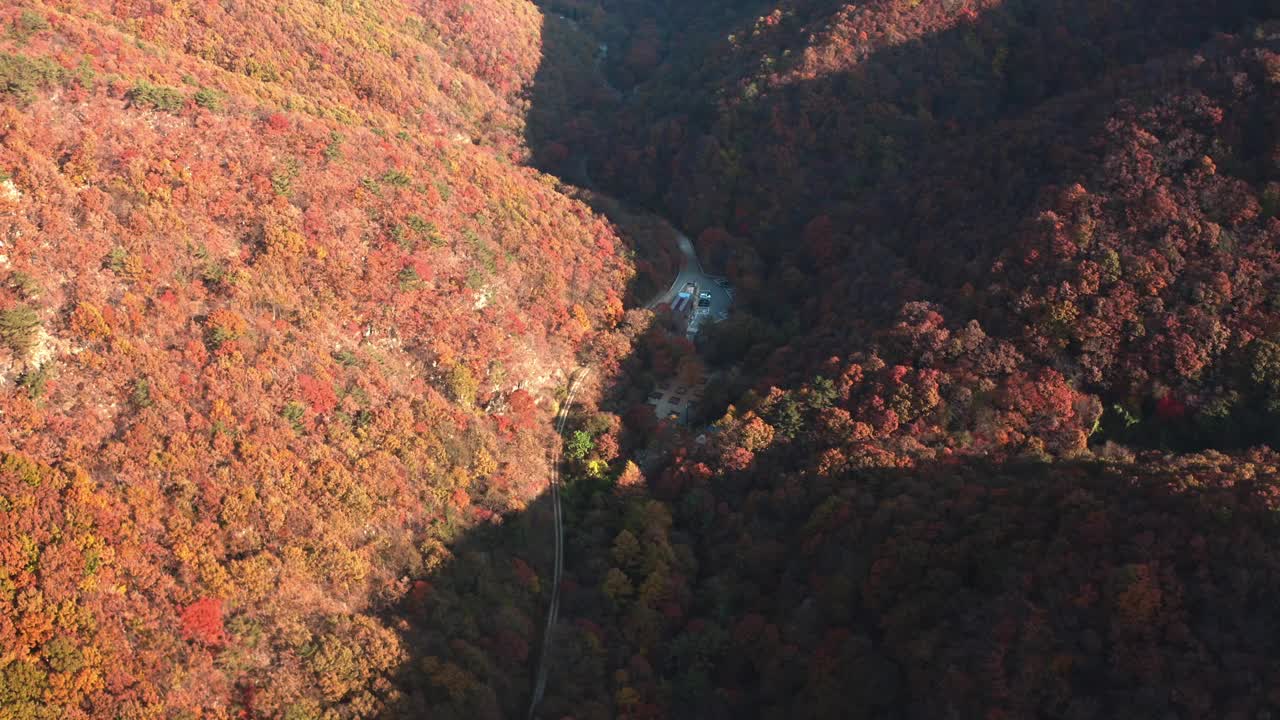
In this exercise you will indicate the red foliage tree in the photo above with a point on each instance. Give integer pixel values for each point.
(202, 621)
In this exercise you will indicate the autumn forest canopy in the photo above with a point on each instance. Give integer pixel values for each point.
(303, 305)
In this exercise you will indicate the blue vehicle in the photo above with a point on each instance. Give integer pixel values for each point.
(683, 306)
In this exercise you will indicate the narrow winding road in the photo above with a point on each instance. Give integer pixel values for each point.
(721, 298)
(553, 609)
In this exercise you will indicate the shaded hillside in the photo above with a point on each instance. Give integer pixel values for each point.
(948, 589)
(1078, 182)
(984, 251)
(736, 128)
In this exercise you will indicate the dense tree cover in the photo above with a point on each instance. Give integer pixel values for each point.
(761, 580)
(435, 66)
(1091, 186)
(281, 325)
(753, 101)
(983, 251)
(283, 319)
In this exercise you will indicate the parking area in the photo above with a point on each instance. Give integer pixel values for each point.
(718, 288)
(673, 398)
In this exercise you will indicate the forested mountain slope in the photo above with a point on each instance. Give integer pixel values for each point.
(282, 320)
(284, 314)
(1080, 182)
(985, 254)
(952, 588)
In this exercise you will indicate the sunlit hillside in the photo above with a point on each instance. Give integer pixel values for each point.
(282, 317)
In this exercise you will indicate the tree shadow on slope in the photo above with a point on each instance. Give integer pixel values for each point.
(1069, 590)
(568, 99)
(838, 195)
(472, 624)
(814, 141)
(910, 130)
(592, 59)
(956, 589)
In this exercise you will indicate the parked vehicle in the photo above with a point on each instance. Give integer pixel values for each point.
(683, 306)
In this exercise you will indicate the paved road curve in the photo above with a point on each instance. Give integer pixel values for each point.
(691, 272)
